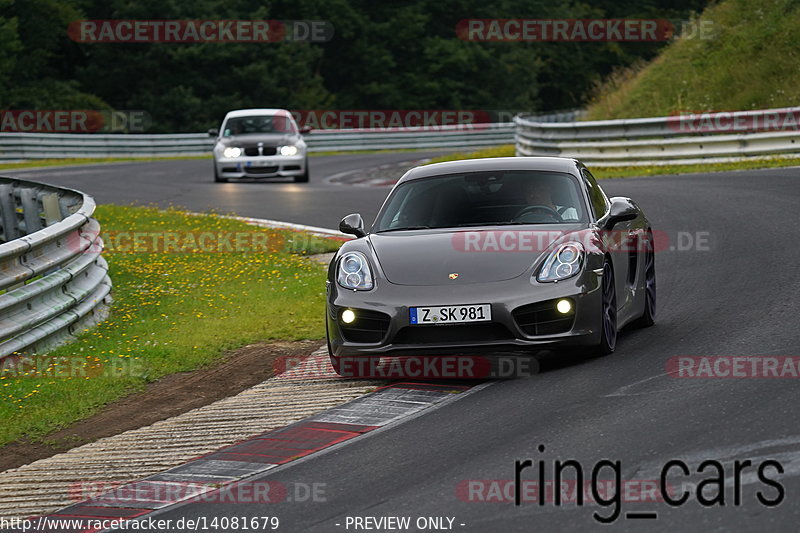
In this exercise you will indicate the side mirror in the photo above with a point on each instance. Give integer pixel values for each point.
(621, 210)
(303, 131)
(213, 132)
(353, 224)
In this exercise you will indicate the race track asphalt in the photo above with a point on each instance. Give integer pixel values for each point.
(189, 184)
(737, 293)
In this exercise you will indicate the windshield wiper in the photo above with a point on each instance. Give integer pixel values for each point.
(404, 228)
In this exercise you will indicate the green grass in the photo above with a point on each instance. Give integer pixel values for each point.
(749, 63)
(173, 312)
(632, 171)
(657, 170)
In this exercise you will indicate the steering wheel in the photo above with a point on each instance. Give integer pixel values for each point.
(549, 211)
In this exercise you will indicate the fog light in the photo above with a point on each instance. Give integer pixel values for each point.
(348, 316)
(564, 306)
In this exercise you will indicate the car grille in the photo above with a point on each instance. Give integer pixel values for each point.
(261, 170)
(266, 150)
(542, 318)
(368, 327)
(491, 331)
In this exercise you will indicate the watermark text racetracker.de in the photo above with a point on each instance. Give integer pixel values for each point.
(200, 31)
(73, 121)
(418, 367)
(581, 30)
(130, 493)
(538, 241)
(43, 366)
(190, 242)
(401, 119)
(735, 121)
(733, 367)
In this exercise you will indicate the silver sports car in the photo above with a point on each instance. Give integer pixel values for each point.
(259, 143)
(510, 254)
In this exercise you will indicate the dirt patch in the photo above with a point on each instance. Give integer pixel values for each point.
(170, 396)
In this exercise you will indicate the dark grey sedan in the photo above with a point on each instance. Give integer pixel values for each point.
(503, 255)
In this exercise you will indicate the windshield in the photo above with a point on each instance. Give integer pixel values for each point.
(258, 124)
(483, 199)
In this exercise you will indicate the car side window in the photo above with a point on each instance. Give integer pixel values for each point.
(596, 195)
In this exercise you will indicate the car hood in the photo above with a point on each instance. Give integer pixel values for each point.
(269, 139)
(429, 257)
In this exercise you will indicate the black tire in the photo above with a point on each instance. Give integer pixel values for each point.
(216, 175)
(608, 310)
(335, 362)
(648, 317)
(302, 178)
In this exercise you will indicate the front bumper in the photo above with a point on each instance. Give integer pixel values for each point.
(507, 331)
(260, 166)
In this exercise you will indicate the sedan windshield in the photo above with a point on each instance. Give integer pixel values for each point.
(483, 199)
(258, 124)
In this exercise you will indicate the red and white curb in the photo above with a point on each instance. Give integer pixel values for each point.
(277, 224)
(317, 231)
(44, 486)
(211, 473)
(206, 477)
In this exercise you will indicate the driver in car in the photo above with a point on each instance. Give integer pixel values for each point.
(539, 193)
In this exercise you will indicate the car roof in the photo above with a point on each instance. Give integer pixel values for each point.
(552, 164)
(255, 112)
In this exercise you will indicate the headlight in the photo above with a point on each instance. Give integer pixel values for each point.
(288, 150)
(563, 262)
(232, 151)
(353, 272)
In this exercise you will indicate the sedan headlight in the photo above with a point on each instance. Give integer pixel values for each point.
(353, 272)
(563, 262)
(232, 151)
(288, 150)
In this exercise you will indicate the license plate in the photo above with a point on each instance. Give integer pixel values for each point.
(450, 314)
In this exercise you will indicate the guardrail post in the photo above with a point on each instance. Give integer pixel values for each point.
(8, 215)
(30, 210)
(51, 208)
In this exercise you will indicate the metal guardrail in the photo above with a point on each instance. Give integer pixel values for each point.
(638, 141)
(466, 137)
(661, 140)
(53, 280)
(27, 146)
(31, 146)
